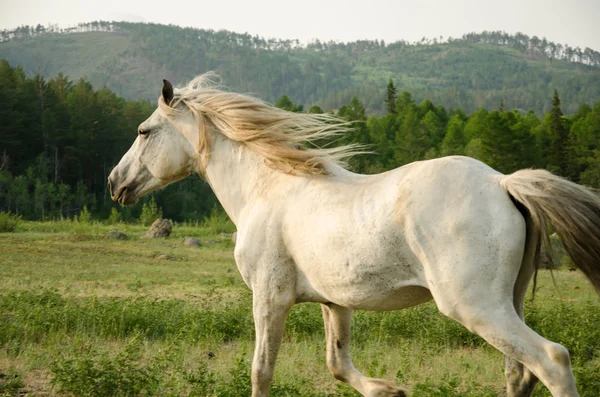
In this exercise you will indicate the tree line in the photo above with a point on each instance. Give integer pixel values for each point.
(60, 139)
(518, 41)
(474, 71)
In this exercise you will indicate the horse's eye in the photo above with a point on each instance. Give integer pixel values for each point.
(143, 132)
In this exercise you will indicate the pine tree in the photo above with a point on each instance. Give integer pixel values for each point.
(558, 137)
(390, 100)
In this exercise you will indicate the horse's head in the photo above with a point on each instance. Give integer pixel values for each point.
(162, 153)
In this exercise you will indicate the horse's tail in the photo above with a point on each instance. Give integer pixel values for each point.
(571, 209)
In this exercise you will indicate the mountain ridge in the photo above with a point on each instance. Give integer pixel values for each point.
(474, 71)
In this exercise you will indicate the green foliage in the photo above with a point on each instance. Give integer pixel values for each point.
(115, 217)
(390, 100)
(450, 389)
(460, 73)
(150, 212)
(286, 104)
(240, 384)
(85, 216)
(104, 376)
(8, 222)
(87, 372)
(37, 315)
(149, 336)
(10, 383)
(51, 175)
(218, 222)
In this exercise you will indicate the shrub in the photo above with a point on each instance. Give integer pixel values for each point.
(150, 212)
(8, 222)
(448, 387)
(84, 215)
(115, 217)
(90, 375)
(218, 222)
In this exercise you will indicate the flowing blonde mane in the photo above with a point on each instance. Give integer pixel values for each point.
(287, 140)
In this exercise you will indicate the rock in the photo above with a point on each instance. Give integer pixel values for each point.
(160, 228)
(225, 235)
(212, 242)
(191, 242)
(165, 257)
(114, 234)
(234, 237)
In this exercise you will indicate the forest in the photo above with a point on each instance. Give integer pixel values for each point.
(469, 72)
(59, 140)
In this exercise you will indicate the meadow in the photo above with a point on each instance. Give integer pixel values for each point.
(81, 315)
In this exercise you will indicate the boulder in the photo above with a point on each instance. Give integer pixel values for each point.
(191, 242)
(160, 228)
(116, 235)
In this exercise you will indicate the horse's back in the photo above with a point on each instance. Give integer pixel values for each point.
(387, 234)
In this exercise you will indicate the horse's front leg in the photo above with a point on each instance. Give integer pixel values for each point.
(270, 309)
(337, 331)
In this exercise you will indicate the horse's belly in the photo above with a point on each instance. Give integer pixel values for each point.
(363, 285)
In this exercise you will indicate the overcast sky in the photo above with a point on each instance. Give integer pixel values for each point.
(574, 22)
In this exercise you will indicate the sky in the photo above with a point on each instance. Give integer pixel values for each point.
(574, 22)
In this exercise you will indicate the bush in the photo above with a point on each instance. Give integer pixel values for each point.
(218, 222)
(448, 387)
(8, 222)
(115, 217)
(84, 215)
(90, 375)
(150, 212)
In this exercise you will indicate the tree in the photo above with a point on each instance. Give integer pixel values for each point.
(286, 104)
(315, 109)
(359, 132)
(411, 143)
(454, 141)
(390, 99)
(558, 137)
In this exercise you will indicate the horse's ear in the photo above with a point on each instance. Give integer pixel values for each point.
(167, 92)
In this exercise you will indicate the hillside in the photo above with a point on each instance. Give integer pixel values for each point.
(478, 70)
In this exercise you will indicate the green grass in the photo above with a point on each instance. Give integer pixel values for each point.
(87, 316)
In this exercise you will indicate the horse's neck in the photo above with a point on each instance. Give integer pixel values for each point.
(237, 175)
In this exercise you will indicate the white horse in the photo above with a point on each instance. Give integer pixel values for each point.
(452, 230)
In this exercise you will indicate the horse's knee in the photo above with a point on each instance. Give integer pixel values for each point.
(558, 354)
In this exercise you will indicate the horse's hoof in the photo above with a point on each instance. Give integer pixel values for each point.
(386, 388)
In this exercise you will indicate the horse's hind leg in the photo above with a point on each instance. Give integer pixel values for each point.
(520, 381)
(337, 329)
(499, 324)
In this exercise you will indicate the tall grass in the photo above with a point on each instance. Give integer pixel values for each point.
(35, 315)
(8, 222)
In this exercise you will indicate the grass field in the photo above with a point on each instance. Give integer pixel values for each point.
(86, 316)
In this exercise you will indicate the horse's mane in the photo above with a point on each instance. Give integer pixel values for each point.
(285, 139)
